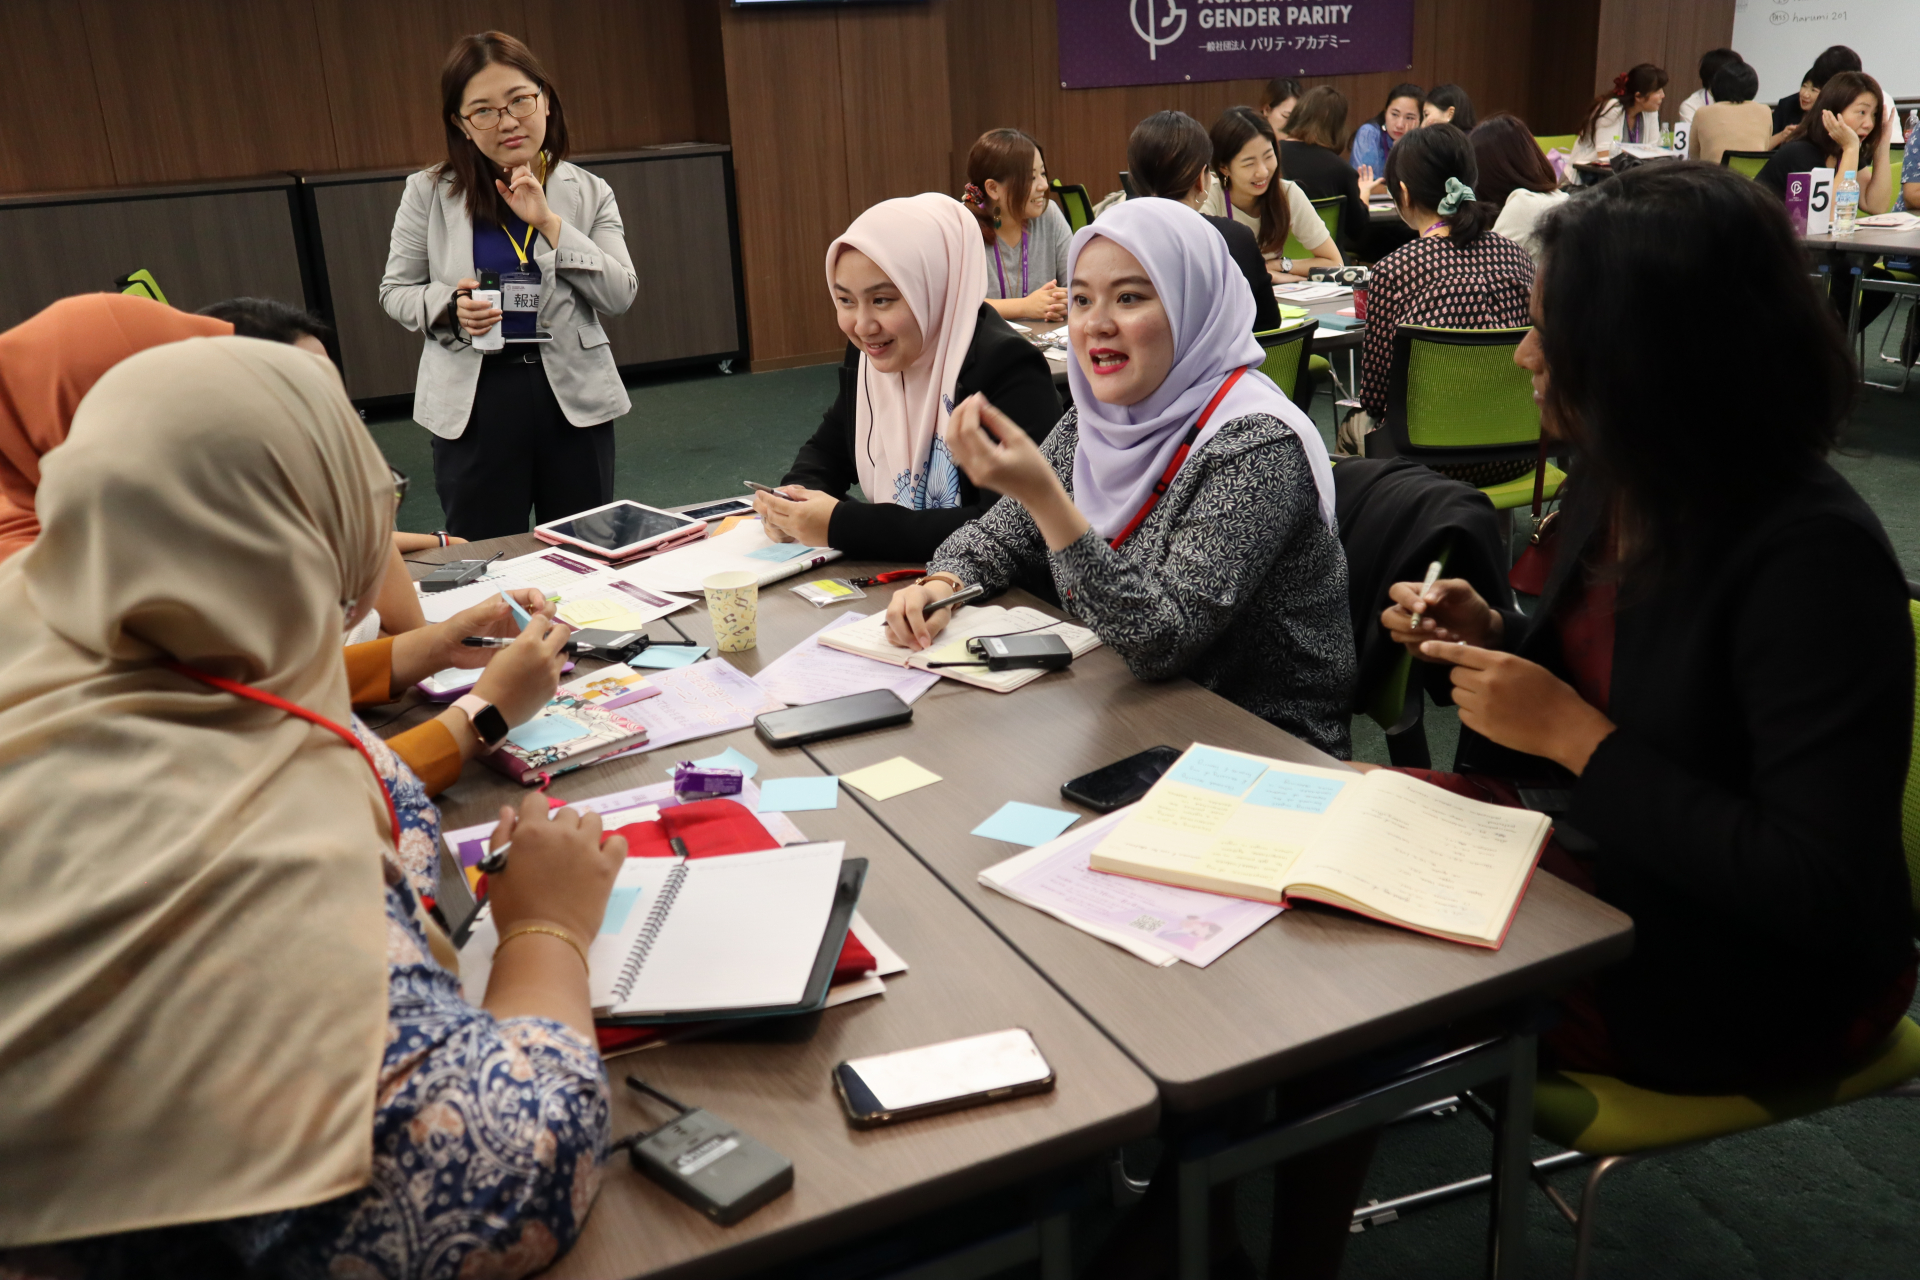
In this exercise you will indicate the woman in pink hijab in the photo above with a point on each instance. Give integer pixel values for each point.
(908, 281)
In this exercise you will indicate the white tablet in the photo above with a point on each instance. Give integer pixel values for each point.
(619, 529)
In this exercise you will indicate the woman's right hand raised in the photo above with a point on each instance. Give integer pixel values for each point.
(559, 871)
(905, 626)
(475, 317)
(1451, 610)
(521, 678)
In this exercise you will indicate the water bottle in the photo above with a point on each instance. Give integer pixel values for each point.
(1846, 204)
(1666, 137)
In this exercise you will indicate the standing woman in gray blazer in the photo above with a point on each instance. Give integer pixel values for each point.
(530, 426)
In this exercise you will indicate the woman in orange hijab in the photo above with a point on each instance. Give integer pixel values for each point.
(47, 364)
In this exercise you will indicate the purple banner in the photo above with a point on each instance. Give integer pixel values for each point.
(1115, 42)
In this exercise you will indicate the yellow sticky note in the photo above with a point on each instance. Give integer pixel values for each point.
(890, 778)
(588, 613)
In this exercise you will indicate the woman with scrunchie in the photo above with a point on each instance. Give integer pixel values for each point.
(1457, 274)
(1025, 233)
(1622, 115)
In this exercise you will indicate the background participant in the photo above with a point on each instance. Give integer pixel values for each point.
(906, 283)
(1026, 235)
(1743, 802)
(1233, 576)
(1448, 104)
(1792, 109)
(1310, 156)
(1255, 193)
(1458, 274)
(342, 1110)
(48, 363)
(1710, 63)
(1733, 121)
(1169, 155)
(1631, 113)
(1277, 101)
(529, 427)
(1374, 139)
(1846, 130)
(1515, 178)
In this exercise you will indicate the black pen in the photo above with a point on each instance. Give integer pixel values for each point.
(965, 595)
(571, 648)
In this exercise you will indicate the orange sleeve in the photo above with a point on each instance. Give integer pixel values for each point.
(370, 672)
(431, 752)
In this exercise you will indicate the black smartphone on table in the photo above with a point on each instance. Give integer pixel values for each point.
(833, 718)
(1121, 783)
(926, 1081)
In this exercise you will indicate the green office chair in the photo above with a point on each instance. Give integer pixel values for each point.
(1457, 402)
(1075, 202)
(142, 284)
(1747, 164)
(1288, 351)
(1329, 211)
(1551, 141)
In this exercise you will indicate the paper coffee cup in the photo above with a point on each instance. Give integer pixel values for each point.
(733, 604)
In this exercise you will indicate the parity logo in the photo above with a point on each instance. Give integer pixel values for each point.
(1154, 42)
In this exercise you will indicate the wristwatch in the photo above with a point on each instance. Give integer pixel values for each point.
(488, 723)
(1286, 266)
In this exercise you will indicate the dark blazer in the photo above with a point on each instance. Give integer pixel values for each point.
(1797, 156)
(1246, 255)
(1746, 813)
(1322, 173)
(1002, 364)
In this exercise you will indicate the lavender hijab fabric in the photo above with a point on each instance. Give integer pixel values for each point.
(1125, 449)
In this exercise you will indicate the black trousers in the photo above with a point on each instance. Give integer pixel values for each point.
(519, 453)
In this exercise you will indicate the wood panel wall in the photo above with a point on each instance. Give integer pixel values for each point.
(833, 111)
(133, 92)
(1664, 33)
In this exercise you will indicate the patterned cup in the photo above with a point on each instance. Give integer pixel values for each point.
(733, 603)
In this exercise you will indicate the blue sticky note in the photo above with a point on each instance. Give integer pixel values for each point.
(792, 795)
(666, 657)
(545, 731)
(520, 616)
(730, 759)
(1217, 771)
(1300, 792)
(619, 907)
(779, 551)
(1028, 824)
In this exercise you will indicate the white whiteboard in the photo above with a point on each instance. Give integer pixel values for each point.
(1781, 38)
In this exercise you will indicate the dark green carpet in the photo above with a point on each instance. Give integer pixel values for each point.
(1836, 1195)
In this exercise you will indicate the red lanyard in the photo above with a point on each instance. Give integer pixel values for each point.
(1179, 456)
(239, 690)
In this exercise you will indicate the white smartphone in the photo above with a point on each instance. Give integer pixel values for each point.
(941, 1077)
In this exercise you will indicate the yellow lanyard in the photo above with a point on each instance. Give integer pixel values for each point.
(519, 248)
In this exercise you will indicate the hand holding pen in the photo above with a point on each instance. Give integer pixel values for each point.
(1445, 609)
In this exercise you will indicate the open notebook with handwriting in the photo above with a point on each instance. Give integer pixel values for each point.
(1381, 844)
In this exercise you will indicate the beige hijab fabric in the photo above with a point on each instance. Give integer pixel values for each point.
(193, 987)
(930, 247)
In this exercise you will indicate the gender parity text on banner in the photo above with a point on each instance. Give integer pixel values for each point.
(1117, 42)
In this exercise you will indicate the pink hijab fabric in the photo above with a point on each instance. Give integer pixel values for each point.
(930, 247)
(1125, 449)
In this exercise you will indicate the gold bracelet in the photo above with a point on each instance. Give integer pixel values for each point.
(561, 934)
(943, 576)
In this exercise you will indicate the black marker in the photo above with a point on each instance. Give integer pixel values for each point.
(965, 595)
(571, 648)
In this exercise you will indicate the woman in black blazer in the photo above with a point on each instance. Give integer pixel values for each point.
(1735, 758)
(909, 284)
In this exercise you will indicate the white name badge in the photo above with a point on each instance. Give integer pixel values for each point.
(520, 291)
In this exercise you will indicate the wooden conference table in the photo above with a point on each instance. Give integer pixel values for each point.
(1309, 990)
(961, 980)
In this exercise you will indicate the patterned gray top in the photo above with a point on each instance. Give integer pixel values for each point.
(1232, 581)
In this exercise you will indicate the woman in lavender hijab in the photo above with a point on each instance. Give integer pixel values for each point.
(1183, 509)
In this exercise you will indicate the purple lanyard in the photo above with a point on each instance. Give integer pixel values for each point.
(1003, 271)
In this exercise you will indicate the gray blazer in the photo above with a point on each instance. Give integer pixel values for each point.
(589, 274)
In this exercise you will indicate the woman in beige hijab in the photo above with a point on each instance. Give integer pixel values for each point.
(223, 1031)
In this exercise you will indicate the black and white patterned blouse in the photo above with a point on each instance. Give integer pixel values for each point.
(1233, 580)
(1437, 282)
